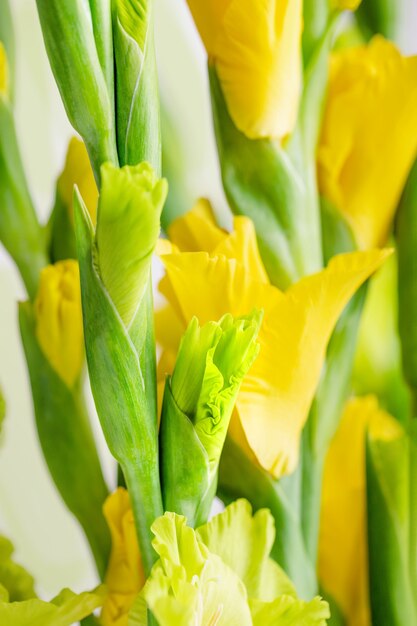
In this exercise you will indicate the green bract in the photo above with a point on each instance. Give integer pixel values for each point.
(198, 403)
(222, 574)
(118, 329)
(63, 610)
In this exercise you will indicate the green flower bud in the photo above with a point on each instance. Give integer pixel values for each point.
(81, 61)
(137, 111)
(129, 212)
(198, 403)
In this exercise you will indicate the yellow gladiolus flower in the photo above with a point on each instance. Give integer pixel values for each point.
(4, 72)
(369, 136)
(78, 171)
(256, 50)
(343, 560)
(276, 395)
(125, 576)
(58, 316)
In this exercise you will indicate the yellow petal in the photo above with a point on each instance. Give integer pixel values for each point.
(366, 149)
(258, 60)
(4, 72)
(241, 245)
(77, 171)
(208, 16)
(277, 393)
(256, 49)
(197, 231)
(343, 562)
(59, 326)
(124, 577)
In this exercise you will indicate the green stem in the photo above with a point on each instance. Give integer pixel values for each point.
(142, 480)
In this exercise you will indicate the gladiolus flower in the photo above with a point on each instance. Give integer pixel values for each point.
(369, 137)
(276, 394)
(256, 51)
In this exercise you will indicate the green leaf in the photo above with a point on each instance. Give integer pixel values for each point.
(14, 579)
(189, 584)
(63, 610)
(393, 599)
(67, 441)
(128, 225)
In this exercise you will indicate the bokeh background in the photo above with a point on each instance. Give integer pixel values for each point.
(47, 540)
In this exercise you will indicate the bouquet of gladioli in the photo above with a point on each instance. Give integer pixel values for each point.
(263, 413)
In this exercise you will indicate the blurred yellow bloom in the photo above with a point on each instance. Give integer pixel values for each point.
(256, 50)
(369, 136)
(348, 5)
(4, 72)
(343, 560)
(59, 325)
(276, 395)
(77, 171)
(125, 577)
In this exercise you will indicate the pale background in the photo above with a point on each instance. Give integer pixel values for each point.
(48, 541)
